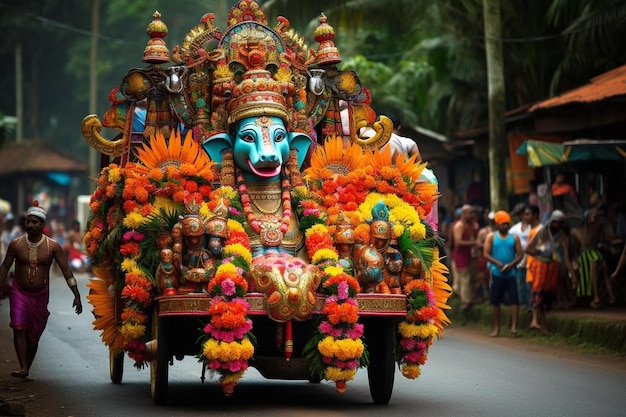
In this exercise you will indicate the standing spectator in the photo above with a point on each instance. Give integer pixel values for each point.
(563, 194)
(521, 229)
(464, 232)
(33, 254)
(482, 270)
(503, 251)
(593, 236)
(59, 234)
(10, 231)
(561, 187)
(74, 246)
(476, 193)
(449, 243)
(550, 249)
(444, 222)
(532, 213)
(620, 265)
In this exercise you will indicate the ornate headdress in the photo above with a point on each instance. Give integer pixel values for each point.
(218, 224)
(192, 225)
(36, 210)
(253, 56)
(345, 233)
(380, 226)
(260, 71)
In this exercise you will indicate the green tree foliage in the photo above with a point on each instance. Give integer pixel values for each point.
(548, 47)
(55, 38)
(423, 60)
(593, 37)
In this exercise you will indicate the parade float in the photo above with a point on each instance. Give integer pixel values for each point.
(246, 222)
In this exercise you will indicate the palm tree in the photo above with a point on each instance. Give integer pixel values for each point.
(593, 35)
(497, 133)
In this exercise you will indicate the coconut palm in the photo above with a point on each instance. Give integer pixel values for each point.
(594, 38)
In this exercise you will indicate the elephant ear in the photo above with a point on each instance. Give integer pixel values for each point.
(216, 145)
(301, 143)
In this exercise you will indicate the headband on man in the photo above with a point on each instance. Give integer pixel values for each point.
(35, 210)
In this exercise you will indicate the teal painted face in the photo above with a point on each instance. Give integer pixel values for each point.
(261, 146)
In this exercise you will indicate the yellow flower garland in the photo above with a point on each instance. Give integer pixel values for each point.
(337, 374)
(342, 349)
(228, 351)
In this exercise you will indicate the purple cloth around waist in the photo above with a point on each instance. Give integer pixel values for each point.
(29, 310)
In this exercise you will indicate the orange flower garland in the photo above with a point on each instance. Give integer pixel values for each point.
(227, 347)
(334, 353)
(352, 189)
(341, 345)
(417, 330)
(123, 204)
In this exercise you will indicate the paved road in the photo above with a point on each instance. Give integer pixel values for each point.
(467, 374)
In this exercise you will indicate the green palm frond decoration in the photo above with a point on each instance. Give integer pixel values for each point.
(422, 249)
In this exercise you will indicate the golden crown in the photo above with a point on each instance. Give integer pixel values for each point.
(260, 94)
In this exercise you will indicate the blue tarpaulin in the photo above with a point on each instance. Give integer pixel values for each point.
(60, 178)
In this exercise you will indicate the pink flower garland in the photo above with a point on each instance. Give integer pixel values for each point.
(341, 346)
(417, 330)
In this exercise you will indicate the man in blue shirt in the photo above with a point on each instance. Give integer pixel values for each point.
(503, 252)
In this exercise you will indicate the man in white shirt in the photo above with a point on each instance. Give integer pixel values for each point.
(524, 230)
(400, 144)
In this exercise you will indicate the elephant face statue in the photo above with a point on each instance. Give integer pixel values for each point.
(260, 145)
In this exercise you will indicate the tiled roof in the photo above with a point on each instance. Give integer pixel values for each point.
(609, 84)
(32, 157)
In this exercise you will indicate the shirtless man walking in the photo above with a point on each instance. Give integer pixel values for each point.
(33, 254)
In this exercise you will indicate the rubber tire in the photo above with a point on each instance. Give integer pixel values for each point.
(382, 368)
(116, 366)
(159, 367)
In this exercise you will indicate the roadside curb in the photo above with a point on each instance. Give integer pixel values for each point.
(577, 326)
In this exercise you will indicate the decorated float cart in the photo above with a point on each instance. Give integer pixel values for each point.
(243, 221)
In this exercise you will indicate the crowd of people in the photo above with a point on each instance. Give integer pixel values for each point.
(534, 261)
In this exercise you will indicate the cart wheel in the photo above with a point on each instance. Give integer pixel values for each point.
(116, 366)
(382, 367)
(159, 365)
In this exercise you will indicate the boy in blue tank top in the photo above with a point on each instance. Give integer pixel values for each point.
(503, 251)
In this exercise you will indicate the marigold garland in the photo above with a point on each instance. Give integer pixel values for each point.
(128, 198)
(342, 346)
(409, 200)
(335, 352)
(227, 347)
(418, 329)
(125, 202)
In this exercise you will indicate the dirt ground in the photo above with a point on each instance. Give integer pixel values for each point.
(19, 397)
